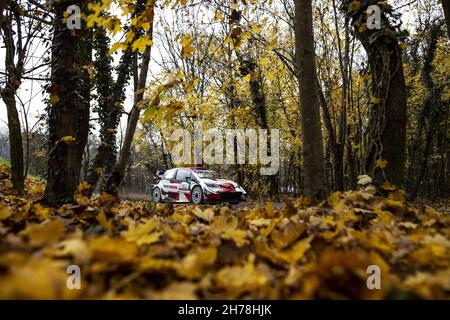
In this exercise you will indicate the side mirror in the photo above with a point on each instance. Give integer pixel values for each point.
(159, 175)
(188, 179)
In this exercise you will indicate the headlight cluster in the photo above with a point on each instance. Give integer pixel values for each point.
(214, 187)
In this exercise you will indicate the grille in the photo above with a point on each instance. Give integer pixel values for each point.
(230, 195)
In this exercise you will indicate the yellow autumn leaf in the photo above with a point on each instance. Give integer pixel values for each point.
(298, 250)
(239, 279)
(104, 222)
(141, 44)
(38, 278)
(5, 212)
(42, 211)
(117, 46)
(247, 78)
(362, 28)
(143, 233)
(381, 163)
(186, 44)
(54, 98)
(206, 215)
(192, 266)
(226, 227)
(375, 100)
(68, 139)
(112, 250)
(44, 233)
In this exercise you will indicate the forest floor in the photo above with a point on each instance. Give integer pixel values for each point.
(249, 204)
(139, 249)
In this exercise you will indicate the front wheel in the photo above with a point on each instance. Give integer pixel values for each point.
(197, 195)
(156, 195)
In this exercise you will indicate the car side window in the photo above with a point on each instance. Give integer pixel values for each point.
(182, 175)
(169, 175)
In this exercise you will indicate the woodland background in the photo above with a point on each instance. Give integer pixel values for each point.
(232, 65)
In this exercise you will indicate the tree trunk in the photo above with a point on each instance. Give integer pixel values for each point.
(335, 147)
(103, 81)
(388, 120)
(110, 100)
(249, 66)
(69, 106)
(446, 7)
(15, 141)
(313, 157)
(387, 128)
(14, 72)
(3, 5)
(115, 180)
(430, 115)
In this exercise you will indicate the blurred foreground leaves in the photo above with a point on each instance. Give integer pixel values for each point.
(134, 250)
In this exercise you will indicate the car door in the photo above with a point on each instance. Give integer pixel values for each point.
(184, 192)
(169, 187)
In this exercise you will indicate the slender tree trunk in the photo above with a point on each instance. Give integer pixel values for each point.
(103, 81)
(249, 66)
(429, 113)
(14, 72)
(335, 147)
(446, 7)
(313, 157)
(69, 106)
(111, 97)
(15, 141)
(3, 5)
(115, 180)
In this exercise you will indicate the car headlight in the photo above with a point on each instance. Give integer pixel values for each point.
(214, 187)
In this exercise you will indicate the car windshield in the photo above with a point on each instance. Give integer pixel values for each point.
(208, 174)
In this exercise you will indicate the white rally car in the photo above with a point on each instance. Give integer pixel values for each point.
(196, 185)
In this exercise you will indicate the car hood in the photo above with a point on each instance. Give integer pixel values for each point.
(221, 182)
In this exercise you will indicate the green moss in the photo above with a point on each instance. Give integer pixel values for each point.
(5, 162)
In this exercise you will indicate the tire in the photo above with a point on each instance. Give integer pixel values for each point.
(156, 195)
(197, 195)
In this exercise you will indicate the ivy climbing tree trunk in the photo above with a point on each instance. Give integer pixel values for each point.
(248, 66)
(386, 151)
(431, 115)
(313, 157)
(116, 178)
(69, 105)
(111, 95)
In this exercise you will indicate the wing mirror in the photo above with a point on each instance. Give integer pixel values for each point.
(159, 175)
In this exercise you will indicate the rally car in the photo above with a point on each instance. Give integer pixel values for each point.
(196, 185)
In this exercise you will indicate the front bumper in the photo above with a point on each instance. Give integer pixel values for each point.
(225, 197)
